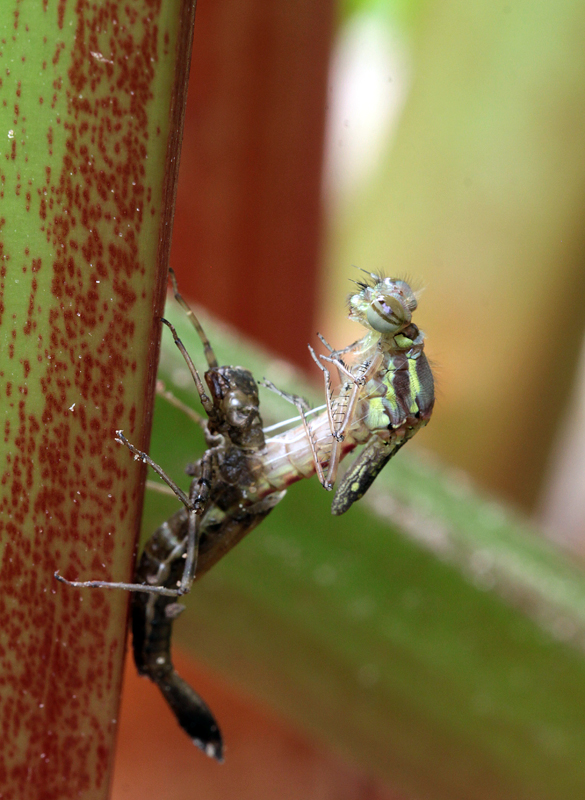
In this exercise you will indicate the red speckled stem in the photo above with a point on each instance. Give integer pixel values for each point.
(91, 111)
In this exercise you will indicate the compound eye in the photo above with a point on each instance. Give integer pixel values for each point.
(387, 315)
(406, 294)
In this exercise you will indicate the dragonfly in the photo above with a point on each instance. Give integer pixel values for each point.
(386, 392)
(385, 395)
(242, 475)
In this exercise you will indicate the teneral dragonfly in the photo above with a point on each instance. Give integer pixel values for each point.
(387, 388)
(386, 395)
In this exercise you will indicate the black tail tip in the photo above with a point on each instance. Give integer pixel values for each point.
(211, 748)
(192, 714)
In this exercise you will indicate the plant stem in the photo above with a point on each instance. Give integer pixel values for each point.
(93, 108)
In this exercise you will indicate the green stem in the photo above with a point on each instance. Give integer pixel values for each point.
(93, 99)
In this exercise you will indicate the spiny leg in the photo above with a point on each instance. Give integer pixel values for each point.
(340, 416)
(208, 349)
(344, 405)
(199, 495)
(335, 353)
(302, 407)
(194, 503)
(328, 390)
(337, 411)
(295, 399)
(348, 411)
(359, 381)
(139, 455)
(205, 400)
(334, 425)
(343, 369)
(127, 587)
(369, 372)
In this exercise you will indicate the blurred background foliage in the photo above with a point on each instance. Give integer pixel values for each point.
(442, 141)
(473, 185)
(402, 13)
(436, 140)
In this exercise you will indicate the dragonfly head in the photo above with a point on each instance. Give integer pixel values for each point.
(235, 397)
(385, 305)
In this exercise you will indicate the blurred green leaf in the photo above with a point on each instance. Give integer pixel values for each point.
(403, 11)
(477, 197)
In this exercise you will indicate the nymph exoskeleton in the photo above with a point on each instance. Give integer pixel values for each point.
(215, 516)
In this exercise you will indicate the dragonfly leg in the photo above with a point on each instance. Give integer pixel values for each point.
(205, 400)
(194, 503)
(139, 455)
(328, 392)
(335, 355)
(302, 407)
(155, 584)
(349, 410)
(333, 352)
(344, 370)
(199, 495)
(127, 587)
(358, 382)
(295, 399)
(338, 419)
(208, 349)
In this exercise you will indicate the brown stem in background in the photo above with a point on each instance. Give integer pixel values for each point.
(248, 242)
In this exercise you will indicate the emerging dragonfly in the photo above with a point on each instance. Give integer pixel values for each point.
(386, 397)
